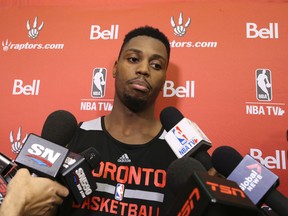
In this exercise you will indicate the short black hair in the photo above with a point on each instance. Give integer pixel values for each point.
(150, 32)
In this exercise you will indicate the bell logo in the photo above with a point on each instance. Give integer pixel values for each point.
(96, 33)
(19, 88)
(43, 156)
(265, 33)
(181, 91)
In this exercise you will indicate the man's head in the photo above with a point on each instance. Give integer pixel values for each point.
(140, 71)
(150, 32)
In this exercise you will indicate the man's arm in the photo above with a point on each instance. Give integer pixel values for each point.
(32, 196)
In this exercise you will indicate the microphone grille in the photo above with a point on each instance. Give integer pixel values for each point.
(169, 117)
(225, 159)
(59, 127)
(180, 170)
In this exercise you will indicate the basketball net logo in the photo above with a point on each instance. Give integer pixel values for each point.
(180, 29)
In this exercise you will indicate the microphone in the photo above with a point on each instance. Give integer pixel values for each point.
(76, 173)
(184, 137)
(45, 155)
(197, 193)
(258, 182)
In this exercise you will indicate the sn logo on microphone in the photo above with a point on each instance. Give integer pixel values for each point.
(43, 156)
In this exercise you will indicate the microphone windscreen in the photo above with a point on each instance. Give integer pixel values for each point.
(169, 117)
(59, 127)
(92, 157)
(225, 159)
(180, 170)
(205, 159)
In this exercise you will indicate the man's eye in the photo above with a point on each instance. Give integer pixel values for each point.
(156, 66)
(133, 59)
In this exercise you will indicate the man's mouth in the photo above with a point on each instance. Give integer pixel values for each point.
(140, 85)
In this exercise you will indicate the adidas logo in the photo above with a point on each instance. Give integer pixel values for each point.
(124, 159)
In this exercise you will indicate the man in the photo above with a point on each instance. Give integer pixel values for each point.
(131, 177)
(31, 196)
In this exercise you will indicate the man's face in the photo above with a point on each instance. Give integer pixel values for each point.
(140, 72)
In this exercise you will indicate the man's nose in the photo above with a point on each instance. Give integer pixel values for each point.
(143, 68)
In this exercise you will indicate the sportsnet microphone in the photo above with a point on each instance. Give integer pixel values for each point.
(258, 182)
(45, 155)
(42, 156)
(197, 193)
(76, 173)
(184, 137)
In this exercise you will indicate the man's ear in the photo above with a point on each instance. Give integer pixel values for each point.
(115, 69)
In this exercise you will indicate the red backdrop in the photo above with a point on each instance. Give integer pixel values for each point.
(216, 58)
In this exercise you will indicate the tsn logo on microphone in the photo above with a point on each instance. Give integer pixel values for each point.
(216, 189)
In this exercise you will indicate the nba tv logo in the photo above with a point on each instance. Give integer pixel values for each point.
(263, 85)
(99, 82)
(180, 135)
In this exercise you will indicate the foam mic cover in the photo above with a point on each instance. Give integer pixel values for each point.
(59, 127)
(204, 158)
(225, 159)
(169, 117)
(175, 175)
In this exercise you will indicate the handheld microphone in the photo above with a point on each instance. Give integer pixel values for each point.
(184, 137)
(258, 182)
(3, 188)
(197, 193)
(45, 155)
(76, 173)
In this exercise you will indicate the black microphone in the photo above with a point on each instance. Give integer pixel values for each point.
(184, 137)
(197, 193)
(76, 173)
(258, 182)
(45, 155)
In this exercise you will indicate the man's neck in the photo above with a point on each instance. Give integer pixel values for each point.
(130, 127)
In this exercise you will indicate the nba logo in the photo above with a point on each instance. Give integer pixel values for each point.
(119, 193)
(180, 135)
(263, 85)
(99, 82)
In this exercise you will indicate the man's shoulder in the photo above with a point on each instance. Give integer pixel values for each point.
(93, 124)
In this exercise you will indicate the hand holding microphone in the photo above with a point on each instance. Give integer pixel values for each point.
(33, 196)
(46, 156)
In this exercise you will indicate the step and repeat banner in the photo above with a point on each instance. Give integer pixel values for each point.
(227, 73)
